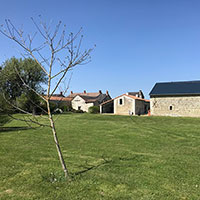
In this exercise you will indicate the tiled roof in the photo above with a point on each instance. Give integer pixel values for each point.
(134, 97)
(55, 98)
(176, 88)
(90, 97)
(131, 96)
(94, 94)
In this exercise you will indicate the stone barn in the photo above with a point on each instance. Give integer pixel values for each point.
(131, 103)
(176, 99)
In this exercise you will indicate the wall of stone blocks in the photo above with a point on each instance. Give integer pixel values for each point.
(127, 107)
(175, 106)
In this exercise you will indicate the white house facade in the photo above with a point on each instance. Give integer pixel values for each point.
(78, 103)
(83, 101)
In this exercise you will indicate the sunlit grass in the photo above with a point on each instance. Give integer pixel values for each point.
(109, 157)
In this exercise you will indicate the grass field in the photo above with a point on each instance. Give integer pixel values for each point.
(109, 157)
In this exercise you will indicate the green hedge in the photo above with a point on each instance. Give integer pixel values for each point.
(94, 109)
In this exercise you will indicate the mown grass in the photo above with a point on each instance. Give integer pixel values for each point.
(109, 157)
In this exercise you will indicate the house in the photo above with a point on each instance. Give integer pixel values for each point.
(82, 101)
(131, 103)
(176, 99)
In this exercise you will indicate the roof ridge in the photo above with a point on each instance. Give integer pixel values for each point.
(179, 81)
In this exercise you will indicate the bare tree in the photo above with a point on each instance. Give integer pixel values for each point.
(57, 53)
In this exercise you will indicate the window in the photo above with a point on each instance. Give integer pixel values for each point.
(79, 107)
(120, 101)
(170, 107)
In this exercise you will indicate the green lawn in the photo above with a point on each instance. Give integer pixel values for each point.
(109, 157)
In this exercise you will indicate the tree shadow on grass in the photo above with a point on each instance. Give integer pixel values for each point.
(112, 161)
(14, 128)
(90, 167)
(56, 176)
(116, 161)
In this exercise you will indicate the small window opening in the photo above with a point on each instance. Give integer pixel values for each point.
(170, 107)
(120, 101)
(79, 107)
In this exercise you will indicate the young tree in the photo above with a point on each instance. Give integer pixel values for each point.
(57, 54)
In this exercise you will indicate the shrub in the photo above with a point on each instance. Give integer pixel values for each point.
(77, 111)
(43, 108)
(94, 109)
(64, 107)
(4, 119)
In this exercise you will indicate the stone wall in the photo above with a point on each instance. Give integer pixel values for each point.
(127, 106)
(176, 106)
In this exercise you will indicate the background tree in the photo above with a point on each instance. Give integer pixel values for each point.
(3, 119)
(57, 54)
(12, 86)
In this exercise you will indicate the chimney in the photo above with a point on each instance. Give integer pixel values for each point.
(84, 91)
(107, 92)
(71, 92)
(61, 93)
(100, 92)
(141, 94)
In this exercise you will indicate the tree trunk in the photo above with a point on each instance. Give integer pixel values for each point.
(60, 155)
(34, 110)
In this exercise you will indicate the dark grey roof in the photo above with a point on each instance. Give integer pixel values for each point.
(176, 88)
(137, 94)
(89, 98)
(133, 93)
(100, 98)
(58, 95)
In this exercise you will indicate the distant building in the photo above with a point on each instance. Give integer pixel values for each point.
(60, 99)
(82, 101)
(131, 103)
(176, 99)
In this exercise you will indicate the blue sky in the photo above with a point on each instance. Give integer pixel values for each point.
(139, 42)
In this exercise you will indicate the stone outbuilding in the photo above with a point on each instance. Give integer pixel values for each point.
(82, 101)
(176, 99)
(131, 103)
